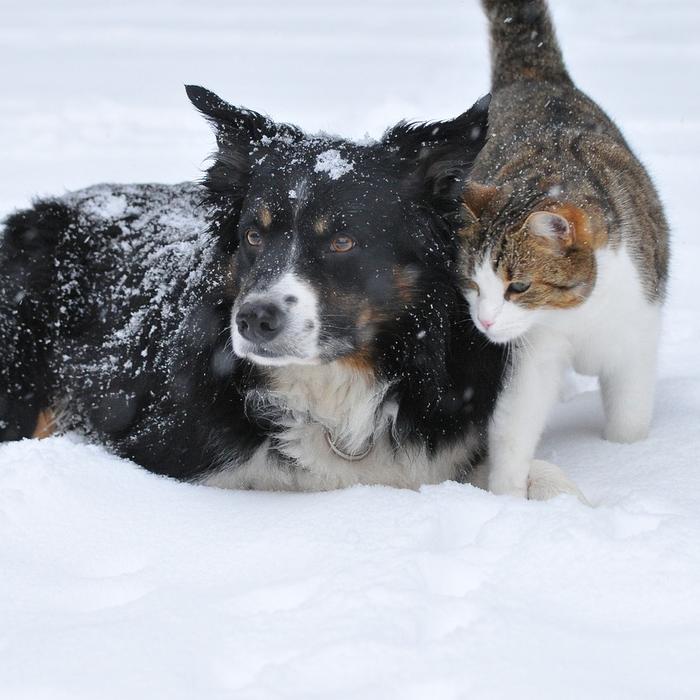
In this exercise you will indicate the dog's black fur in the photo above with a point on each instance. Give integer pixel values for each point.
(116, 301)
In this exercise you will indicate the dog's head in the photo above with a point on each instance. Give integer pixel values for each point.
(330, 241)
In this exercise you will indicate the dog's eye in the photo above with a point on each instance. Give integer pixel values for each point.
(518, 287)
(342, 244)
(253, 237)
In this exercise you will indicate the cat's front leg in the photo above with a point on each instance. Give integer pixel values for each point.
(521, 412)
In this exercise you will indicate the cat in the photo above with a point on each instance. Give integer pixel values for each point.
(566, 247)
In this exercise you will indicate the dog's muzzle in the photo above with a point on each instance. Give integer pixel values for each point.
(279, 325)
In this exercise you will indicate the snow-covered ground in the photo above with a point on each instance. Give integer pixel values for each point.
(118, 584)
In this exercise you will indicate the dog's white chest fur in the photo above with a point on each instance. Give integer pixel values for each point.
(312, 403)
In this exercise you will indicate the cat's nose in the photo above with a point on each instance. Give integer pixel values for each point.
(486, 324)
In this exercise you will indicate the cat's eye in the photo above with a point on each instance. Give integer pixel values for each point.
(253, 237)
(342, 244)
(518, 287)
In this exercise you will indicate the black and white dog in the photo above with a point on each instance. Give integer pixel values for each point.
(295, 324)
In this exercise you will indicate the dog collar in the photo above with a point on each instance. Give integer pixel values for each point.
(356, 457)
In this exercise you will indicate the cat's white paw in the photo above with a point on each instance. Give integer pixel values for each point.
(630, 432)
(546, 481)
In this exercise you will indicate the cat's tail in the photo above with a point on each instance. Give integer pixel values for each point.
(523, 43)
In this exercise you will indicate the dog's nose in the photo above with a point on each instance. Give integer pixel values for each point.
(260, 321)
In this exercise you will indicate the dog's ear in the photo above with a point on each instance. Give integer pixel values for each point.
(233, 125)
(436, 157)
(240, 135)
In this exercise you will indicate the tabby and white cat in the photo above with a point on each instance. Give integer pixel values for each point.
(566, 257)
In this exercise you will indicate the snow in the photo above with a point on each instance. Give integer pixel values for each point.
(171, 254)
(116, 583)
(333, 163)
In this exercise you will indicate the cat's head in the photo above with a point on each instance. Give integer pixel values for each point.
(521, 263)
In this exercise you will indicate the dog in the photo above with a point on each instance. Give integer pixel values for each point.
(294, 322)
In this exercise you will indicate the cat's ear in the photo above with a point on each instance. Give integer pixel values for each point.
(551, 226)
(477, 197)
(435, 158)
(566, 225)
